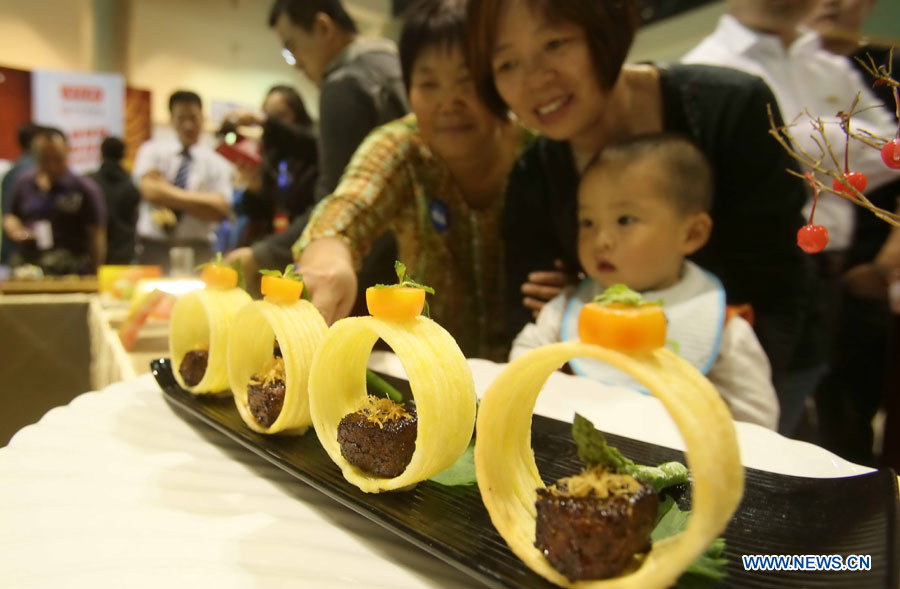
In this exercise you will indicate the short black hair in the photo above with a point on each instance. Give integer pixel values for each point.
(303, 13)
(294, 102)
(184, 96)
(45, 132)
(26, 135)
(112, 149)
(431, 23)
(689, 176)
(609, 26)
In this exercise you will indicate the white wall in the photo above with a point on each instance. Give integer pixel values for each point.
(672, 38)
(223, 50)
(48, 34)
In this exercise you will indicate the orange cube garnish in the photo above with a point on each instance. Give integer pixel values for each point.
(216, 276)
(626, 328)
(281, 290)
(395, 302)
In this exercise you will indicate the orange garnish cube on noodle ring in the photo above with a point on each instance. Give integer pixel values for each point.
(281, 290)
(625, 328)
(395, 302)
(216, 276)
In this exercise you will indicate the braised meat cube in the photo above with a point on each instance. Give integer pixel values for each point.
(592, 525)
(380, 438)
(265, 392)
(193, 367)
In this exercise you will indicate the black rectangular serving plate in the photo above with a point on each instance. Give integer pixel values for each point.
(779, 514)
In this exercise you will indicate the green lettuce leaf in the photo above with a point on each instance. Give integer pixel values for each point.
(709, 568)
(461, 472)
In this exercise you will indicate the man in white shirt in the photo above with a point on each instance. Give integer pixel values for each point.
(765, 38)
(185, 187)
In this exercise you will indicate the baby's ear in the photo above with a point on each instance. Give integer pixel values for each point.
(697, 228)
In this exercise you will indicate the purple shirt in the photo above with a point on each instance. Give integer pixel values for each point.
(73, 204)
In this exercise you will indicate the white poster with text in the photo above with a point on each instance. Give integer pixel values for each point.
(86, 106)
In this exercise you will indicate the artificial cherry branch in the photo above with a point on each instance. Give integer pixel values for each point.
(884, 76)
(782, 134)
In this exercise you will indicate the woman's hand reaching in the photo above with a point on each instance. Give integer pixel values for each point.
(327, 268)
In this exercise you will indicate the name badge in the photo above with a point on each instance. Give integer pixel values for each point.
(43, 234)
(439, 214)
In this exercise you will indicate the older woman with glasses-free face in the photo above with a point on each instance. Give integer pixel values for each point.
(559, 67)
(436, 179)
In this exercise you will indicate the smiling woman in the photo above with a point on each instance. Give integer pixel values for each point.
(559, 67)
(436, 179)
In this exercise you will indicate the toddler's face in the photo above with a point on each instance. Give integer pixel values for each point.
(629, 231)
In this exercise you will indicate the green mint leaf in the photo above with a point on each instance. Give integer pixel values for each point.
(413, 284)
(216, 261)
(402, 280)
(288, 273)
(400, 268)
(461, 472)
(622, 295)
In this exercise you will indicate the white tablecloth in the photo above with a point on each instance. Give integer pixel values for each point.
(117, 490)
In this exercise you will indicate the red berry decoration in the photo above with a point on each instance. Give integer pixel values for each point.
(857, 180)
(812, 238)
(890, 153)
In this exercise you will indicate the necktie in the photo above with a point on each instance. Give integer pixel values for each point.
(183, 170)
(182, 175)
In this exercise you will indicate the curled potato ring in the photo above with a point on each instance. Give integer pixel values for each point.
(299, 328)
(439, 378)
(508, 476)
(205, 316)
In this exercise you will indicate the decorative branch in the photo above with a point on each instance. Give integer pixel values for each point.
(782, 134)
(883, 74)
(885, 215)
(870, 139)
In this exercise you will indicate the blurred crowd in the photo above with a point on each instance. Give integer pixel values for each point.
(506, 152)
